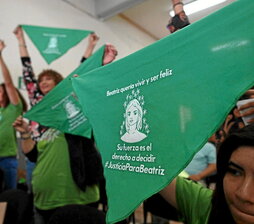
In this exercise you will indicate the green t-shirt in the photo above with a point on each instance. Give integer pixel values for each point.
(52, 181)
(193, 200)
(8, 143)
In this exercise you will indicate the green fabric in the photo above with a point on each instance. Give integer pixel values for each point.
(52, 181)
(181, 88)
(8, 143)
(51, 42)
(60, 109)
(193, 201)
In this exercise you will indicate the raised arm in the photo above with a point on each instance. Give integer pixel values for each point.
(10, 88)
(92, 41)
(32, 87)
(21, 41)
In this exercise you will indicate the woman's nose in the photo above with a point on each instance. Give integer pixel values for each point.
(245, 192)
(43, 81)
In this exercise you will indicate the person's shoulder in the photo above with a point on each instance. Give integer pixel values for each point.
(210, 146)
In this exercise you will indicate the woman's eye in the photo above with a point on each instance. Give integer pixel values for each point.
(234, 172)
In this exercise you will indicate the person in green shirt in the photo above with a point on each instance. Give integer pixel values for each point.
(55, 182)
(12, 105)
(232, 201)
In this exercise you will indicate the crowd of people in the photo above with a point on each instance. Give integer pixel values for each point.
(68, 191)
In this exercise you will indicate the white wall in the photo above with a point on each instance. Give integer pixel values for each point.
(56, 13)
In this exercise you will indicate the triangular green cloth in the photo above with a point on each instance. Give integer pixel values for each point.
(153, 110)
(60, 109)
(51, 42)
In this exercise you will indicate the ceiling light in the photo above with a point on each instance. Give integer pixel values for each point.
(198, 5)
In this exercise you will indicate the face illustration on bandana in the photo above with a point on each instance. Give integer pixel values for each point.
(134, 122)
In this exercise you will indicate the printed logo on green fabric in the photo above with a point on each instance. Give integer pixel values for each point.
(50, 135)
(71, 109)
(134, 127)
(52, 47)
(73, 112)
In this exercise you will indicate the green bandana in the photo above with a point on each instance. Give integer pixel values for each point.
(60, 109)
(153, 110)
(52, 43)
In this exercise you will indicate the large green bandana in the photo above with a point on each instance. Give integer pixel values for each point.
(153, 110)
(60, 109)
(52, 43)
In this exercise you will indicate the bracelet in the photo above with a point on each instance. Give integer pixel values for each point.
(25, 135)
(25, 138)
(24, 132)
(22, 45)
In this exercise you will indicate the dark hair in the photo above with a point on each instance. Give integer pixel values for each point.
(243, 137)
(19, 206)
(7, 99)
(5, 96)
(23, 101)
(57, 77)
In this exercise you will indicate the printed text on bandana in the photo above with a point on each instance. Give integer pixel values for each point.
(138, 159)
(162, 74)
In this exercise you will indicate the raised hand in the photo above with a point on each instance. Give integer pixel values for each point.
(110, 54)
(93, 39)
(21, 125)
(19, 33)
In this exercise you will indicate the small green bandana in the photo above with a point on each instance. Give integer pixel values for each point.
(60, 108)
(51, 42)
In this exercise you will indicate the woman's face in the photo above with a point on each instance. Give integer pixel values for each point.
(132, 115)
(46, 84)
(238, 185)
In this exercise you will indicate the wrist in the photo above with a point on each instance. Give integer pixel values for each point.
(25, 135)
(92, 45)
(22, 45)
